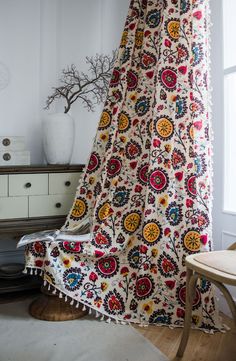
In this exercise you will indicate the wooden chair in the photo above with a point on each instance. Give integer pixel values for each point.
(218, 267)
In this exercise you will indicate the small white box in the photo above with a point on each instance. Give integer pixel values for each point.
(14, 158)
(12, 143)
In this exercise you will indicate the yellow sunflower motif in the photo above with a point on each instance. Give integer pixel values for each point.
(47, 278)
(173, 28)
(79, 208)
(151, 127)
(164, 200)
(148, 307)
(196, 320)
(133, 97)
(92, 180)
(139, 38)
(104, 286)
(132, 222)
(105, 120)
(123, 139)
(66, 262)
(164, 128)
(154, 252)
(123, 122)
(105, 211)
(104, 137)
(192, 241)
(151, 232)
(192, 132)
(124, 38)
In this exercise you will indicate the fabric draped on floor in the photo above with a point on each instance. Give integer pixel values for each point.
(146, 189)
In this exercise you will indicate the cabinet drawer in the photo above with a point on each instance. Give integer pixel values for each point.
(63, 183)
(52, 205)
(28, 184)
(13, 207)
(3, 185)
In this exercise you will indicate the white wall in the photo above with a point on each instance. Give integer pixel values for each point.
(19, 44)
(37, 39)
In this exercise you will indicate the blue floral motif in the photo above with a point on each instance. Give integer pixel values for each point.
(161, 317)
(153, 18)
(142, 106)
(134, 257)
(197, 53)
(184, 6)
(181, 107)
(72, 278)
(200, 165)
(174, 214)
(121, 197)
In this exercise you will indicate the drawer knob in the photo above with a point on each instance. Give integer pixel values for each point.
(6, 142)
(58, 205)
(6, 156)
(28, 185)
(67, 183)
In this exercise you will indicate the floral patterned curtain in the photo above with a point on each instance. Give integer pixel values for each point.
(147, 187)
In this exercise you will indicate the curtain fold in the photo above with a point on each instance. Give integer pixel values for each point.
(146, 189)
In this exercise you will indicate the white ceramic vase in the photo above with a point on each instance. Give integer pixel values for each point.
(58, 138)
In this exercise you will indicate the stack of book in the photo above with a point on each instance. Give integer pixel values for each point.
(13, 151)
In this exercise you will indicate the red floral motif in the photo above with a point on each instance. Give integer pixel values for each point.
(169, 78)
(115, 78)
(143, 174)
(38, 263)
(148, 60)
(133, 150)
(204, 239)
(170, 284)
(191, 185)
(102, 239)
(113, 167)
(124, 271)
(182, 296)
(93, 277)
(113, 303)
(144, 287)
(94, 162)
(180, 313)
(74, 247)
(189, 203)
(108, 266)
(158, 180)
(132, 80)
(179, 176)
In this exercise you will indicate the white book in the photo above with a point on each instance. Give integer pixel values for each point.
(52, 235)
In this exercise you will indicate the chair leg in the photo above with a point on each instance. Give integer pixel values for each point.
(190, 292)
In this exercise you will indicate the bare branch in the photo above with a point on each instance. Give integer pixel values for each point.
(91, 88)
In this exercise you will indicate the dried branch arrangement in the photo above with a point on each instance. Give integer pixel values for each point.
(91, 88)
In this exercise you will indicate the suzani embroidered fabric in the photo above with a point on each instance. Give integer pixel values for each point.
(147, 186)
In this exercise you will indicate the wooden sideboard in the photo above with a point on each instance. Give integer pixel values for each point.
(34, 198)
